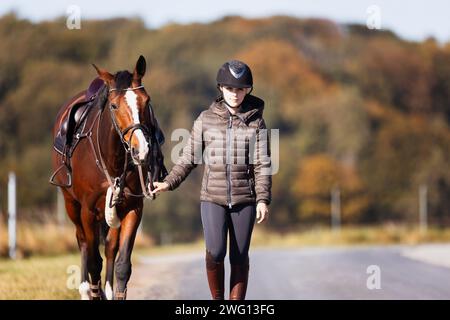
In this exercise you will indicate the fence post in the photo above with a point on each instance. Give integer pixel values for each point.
(423, 213)
(12, 214)
(335, 210)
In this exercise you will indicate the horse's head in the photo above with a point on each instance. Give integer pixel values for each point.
(128, 103)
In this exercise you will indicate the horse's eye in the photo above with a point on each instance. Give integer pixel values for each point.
(114, 106)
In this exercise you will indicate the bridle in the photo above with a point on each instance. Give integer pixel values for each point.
(119, 182)
(136, 126)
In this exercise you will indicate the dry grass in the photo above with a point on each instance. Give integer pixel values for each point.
(48, 238)
(46, 277)
(352, 235)
(43, 238)
(45, 251)
(37, 278)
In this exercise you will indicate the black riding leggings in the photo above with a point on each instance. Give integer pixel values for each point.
(218, 220)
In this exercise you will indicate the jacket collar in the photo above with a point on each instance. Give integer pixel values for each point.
(250, 106)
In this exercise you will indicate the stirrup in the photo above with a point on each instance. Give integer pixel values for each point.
(69, 177)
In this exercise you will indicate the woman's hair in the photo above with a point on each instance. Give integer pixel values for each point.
(219, 97)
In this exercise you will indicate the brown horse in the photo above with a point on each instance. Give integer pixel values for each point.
(117, 152)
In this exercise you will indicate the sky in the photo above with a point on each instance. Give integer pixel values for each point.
(413, 20)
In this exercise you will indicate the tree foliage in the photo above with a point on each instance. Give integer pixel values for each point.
(357, 109)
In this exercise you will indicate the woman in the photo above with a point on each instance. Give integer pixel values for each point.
(236, 186)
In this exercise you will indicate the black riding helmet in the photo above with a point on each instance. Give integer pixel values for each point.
(235, 74)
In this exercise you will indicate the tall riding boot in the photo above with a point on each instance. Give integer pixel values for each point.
(239, 280)
(215, 272)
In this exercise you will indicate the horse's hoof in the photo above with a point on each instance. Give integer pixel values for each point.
(98, 295)
(120, 295)
(108, 291)
(97, 292)
(85, 291)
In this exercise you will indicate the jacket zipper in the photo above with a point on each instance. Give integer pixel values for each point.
(250, 181)
(228, 145)
(207, 179)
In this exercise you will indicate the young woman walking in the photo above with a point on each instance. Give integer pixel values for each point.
(236, 186)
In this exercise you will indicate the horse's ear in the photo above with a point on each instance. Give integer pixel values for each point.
(104, 75)
(139, 70)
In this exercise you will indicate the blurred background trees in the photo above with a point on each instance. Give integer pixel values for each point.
(359, 110)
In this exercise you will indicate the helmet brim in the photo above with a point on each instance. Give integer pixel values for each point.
(234, 85)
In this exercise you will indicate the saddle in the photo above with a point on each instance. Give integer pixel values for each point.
(72, 126)
(66, 139)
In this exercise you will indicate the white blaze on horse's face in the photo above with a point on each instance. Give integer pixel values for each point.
(142, 144)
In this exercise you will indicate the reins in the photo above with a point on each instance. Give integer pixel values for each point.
(119, 182)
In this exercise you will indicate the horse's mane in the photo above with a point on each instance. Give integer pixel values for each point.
(102, 97)
(122, 79)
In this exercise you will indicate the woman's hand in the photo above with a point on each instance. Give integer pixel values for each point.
(160, 187)
(262, 212)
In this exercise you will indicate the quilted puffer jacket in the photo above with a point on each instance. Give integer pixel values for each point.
(235, 150)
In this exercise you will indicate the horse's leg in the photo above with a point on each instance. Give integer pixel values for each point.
(84, 289)
(128, 231)
(111, 247)
(94, 259)
(73, 208)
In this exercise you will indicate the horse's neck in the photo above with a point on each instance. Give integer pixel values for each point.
(111, 146)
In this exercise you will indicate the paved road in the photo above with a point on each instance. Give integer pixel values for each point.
(306, 273)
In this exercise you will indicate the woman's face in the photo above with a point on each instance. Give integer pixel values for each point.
(234, 96)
